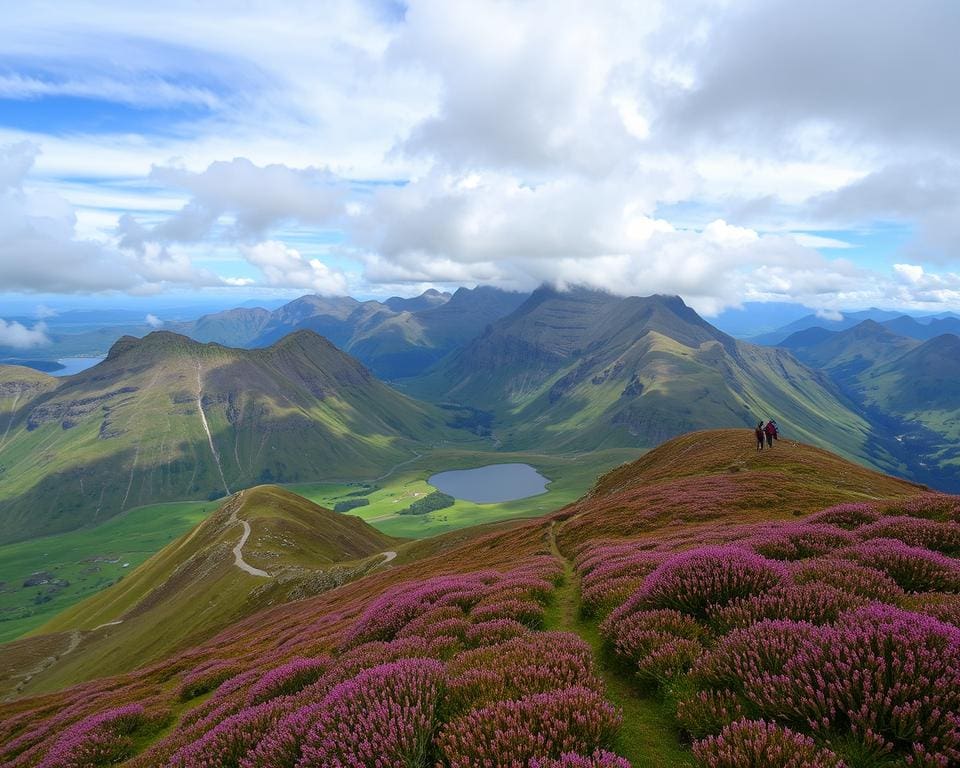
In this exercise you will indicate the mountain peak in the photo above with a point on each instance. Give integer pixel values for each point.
(154, 342)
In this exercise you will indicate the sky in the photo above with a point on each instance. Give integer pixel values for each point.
(725, 151)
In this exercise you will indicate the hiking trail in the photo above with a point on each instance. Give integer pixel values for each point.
(238, 560)
(649, 735)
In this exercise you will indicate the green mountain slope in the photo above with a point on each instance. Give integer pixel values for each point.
(165, 418)
(194, 586)
(581, 370)
(847, 354)
(907, 389)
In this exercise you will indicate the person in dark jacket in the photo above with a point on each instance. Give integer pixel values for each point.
(759, 433)
(771, 432)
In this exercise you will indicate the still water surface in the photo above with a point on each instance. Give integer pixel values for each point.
(72, 365)
(491, 484)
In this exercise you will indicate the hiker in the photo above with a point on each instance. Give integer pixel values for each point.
(759, 433)
(771, 432)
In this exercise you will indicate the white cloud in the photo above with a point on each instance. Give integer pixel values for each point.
(830, 314)
(40, 250)
(633, 146)
(153, 321)
(18, 336)
(284, 267)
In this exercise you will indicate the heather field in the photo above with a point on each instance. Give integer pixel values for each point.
(709, 634)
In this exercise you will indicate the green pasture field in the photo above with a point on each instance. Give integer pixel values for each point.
(90, 559)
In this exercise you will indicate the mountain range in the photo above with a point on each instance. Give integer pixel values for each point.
(396, 338)
(168, 418)
(165, 417)
(579, 370)
(921, 328)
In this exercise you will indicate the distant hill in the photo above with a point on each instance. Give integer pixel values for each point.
(907, 389)
(923, 329)
(396, 338)
(846, 354)
(927, 378)
(582, 369)
(426, 300)
(194, 586)
(920, 327)
(165, 417)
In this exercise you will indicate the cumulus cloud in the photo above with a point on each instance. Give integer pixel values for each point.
(702, 148)
(924, 193)
(40, 250)
(773, 68)
(536, 86)
(284, 267)
(18, 336)
(497, 229)
(253, 197)
(153, 321)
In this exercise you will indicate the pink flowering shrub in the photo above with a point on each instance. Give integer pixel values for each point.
(704, 712)
(430, 618)
(533, 663)
(375, 653)
(289, 678)
(527, 612)
(916, 531)
(599, 598)
(887, 678)
(798, 541)
(206, 677)
(668, 660)
(934, 506)
(759, 744)
(226, 744)
(915, 569)
(816, 603)
(608, 581)
(744, 659)
(943, 607)
(694, 581)
(599, 759)
(493, 632)
(634, 636)
(390, 612)
(850, 515)
(852, 578)
(101, 739)
(509, 734)
(280, 747)
(384, 717)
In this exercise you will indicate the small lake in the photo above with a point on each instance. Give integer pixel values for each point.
(72, 365)
(491, 484)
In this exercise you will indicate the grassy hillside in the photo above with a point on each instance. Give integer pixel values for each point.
(514, 613)
(165, 418)
(194, 587)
